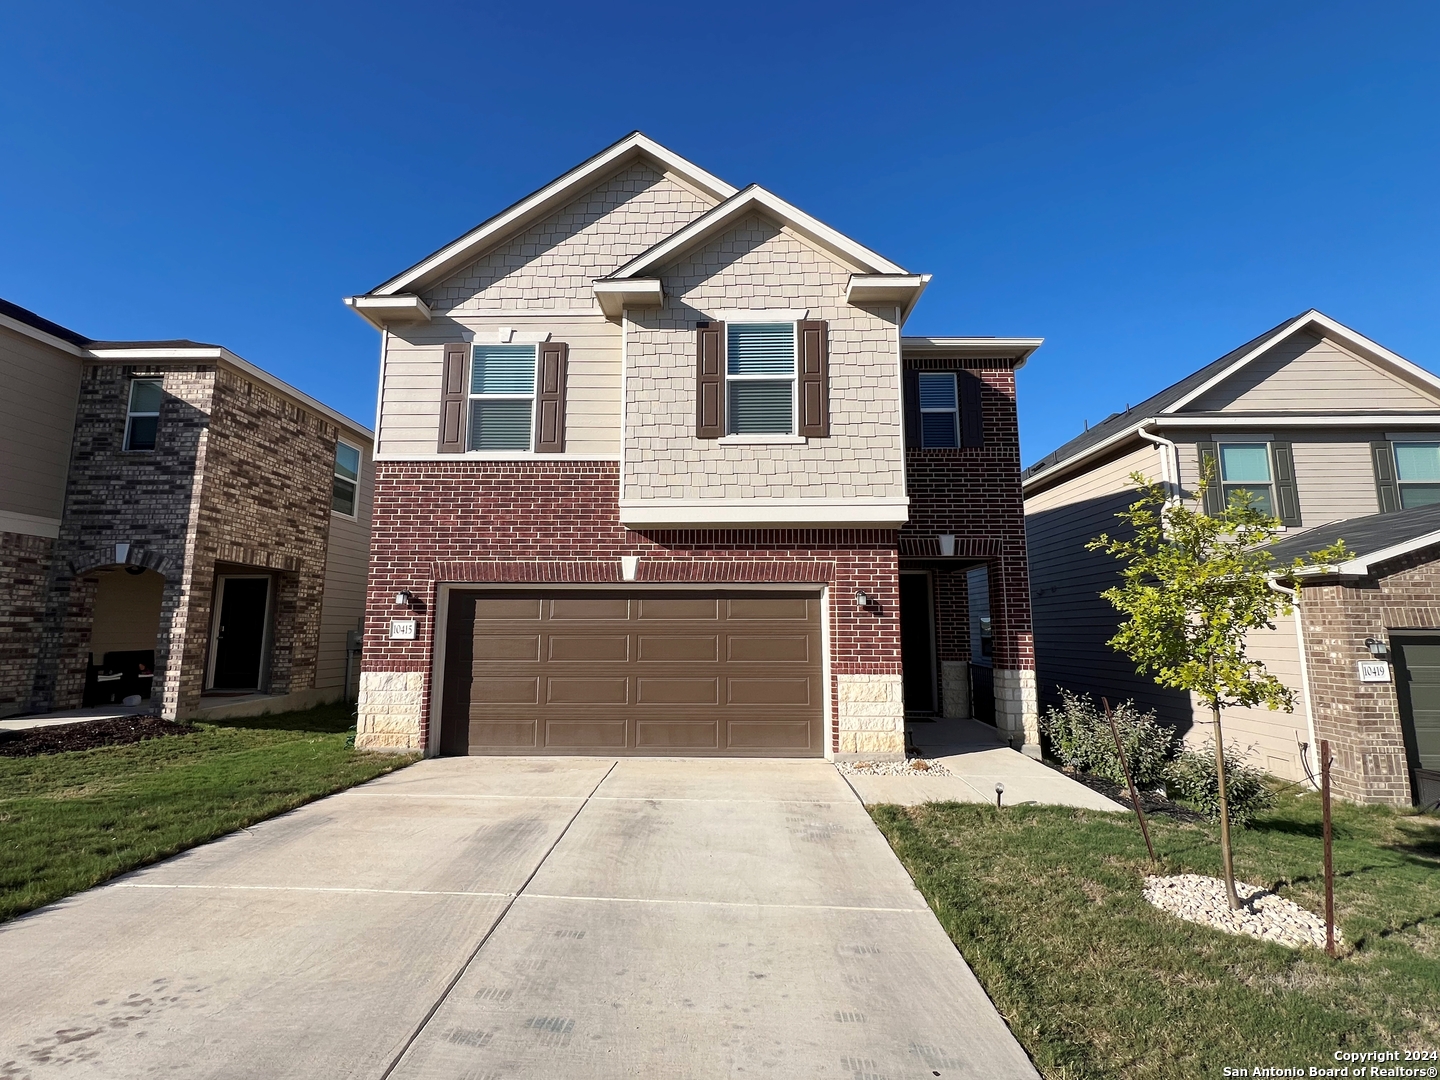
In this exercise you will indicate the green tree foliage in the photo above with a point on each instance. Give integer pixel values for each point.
(1193, 588)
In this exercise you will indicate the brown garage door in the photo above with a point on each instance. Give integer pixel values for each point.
(610, 671)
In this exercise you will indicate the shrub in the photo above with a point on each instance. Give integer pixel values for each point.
(1194, 779)
(1080, 737)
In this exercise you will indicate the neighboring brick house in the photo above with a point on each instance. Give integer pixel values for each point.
(656, 473)
(1327, 428)
(178, 525)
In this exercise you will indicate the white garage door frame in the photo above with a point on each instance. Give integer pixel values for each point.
(442, 616)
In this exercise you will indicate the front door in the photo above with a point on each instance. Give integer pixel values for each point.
(239, 652)
(1417, 684)
(917, 641)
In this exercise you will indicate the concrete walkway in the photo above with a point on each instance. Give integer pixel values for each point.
(977, 757)
(74, 716)
(478, 917)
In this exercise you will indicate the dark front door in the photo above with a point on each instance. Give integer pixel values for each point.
(917, 642)
(240, 633)
(1417, 683)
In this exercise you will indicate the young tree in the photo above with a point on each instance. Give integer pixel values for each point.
(1193, 588)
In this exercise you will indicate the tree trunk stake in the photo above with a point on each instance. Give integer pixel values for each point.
(1325, 761)
(1134, 795)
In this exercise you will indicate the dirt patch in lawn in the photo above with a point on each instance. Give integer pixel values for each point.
(88, 735)
(1151, 802)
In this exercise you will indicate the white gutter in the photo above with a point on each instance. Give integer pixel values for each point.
(1169, 460)
(1294, 596)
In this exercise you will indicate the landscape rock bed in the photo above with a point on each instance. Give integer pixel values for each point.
(910, 767)
(1200, 899)
(88, 735)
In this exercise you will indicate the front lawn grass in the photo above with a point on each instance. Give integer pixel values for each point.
(72, 820)
(1045, 903)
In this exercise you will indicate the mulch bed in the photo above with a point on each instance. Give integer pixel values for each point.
(1150, 802)
(88, 735)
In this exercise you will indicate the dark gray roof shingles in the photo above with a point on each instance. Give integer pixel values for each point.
(1362, 535)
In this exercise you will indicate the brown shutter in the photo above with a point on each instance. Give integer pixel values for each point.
(1214, 494)
(972, 416)
(453, 396)
(710, 381)
(550, 398)
(1387, 490)
(1287, 495)
(912, 407)
(814, 378)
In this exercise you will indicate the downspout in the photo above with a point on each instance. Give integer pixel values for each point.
(1169, 460)
(1294, 597)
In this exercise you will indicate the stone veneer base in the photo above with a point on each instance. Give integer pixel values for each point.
(390, 708)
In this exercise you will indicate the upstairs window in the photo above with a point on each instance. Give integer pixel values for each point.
(347, 479)
(939, 409)
(1417, 468)
(760, 378)
(142, 421)
(1246, 467)
(502, 397)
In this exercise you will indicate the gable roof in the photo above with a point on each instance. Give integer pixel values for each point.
(1175, 397)
(1372, 539)
(538, 204)
(743, 203)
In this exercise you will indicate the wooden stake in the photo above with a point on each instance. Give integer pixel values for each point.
(1125, 766)
(1325, 762)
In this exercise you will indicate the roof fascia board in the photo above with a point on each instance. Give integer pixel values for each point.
(488, 233)
(1360, 567)
(1070, 465)
(1002, 348)
(40, 335)
(902, 290)
(223, 355)
(1311, 318)
(379, 311)
(752, 198)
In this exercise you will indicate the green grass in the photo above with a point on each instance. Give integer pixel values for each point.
(70, 821)
(1045, 903)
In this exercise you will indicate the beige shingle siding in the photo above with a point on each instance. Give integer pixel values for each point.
(37, 420)
(1310, 373)
(757, 265)
(553, 265)
(410, 387)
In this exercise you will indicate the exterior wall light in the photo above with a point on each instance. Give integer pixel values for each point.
(862, 599)
(404, 598)
(1377, 647)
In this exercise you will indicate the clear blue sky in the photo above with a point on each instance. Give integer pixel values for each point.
(1142, 185)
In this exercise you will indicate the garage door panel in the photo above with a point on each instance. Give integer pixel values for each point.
(671, 648)
(677, 691)
(677, 735)
(590, 647)
(624, 670)
(588, 691)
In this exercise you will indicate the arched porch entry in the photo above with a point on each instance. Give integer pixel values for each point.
(124, 630)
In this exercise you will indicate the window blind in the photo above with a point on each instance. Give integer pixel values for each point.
(503, 369)
(760, 348)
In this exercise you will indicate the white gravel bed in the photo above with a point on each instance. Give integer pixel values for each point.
(1200, 899)
(912, 767)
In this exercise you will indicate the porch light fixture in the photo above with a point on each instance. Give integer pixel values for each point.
(862, 599)
(999, 792)
(1377, 647)
(404, 597)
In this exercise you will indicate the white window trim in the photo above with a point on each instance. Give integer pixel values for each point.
(359, 471)
(1247, 440)
(761, 315)
(1413, 439)
(471, 397)
(955, 412)
(130, 415)
(767, 436)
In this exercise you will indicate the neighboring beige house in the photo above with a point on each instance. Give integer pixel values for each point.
(176, 525)
(1321, 423)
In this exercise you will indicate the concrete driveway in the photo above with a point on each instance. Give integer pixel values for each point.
(494, 918)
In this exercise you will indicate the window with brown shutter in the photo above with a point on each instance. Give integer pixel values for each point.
(912, 407)
(550, 398)
(709, 380)
(453, 396)
(972, 417)
(814, 378)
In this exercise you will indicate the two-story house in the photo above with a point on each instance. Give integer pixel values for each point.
(176, 526)
(1331, 432)
(657, 473)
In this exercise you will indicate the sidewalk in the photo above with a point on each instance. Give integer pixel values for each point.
(75, 716)
(977, 757)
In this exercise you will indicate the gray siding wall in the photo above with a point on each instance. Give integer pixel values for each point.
(37, 423)
(347, 565)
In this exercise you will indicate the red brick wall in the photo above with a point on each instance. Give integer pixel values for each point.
(974, 493)
(559, 521)
(1362, 720)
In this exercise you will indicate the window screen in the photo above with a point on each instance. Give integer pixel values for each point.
(760, 378)
(502, 397)
(347, 478)
(142, 422)
(1246, 467)
(1417, 468)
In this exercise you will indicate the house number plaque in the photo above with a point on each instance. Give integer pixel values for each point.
(1374, 670)
(402, 629)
